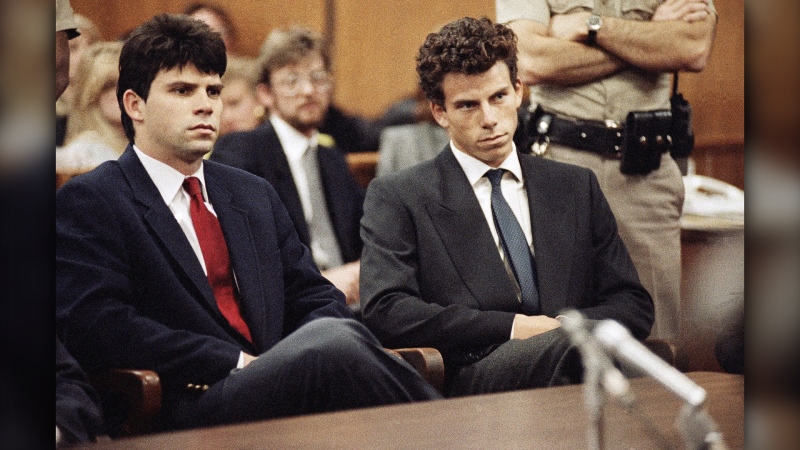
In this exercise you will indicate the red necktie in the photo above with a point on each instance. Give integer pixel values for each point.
(215, 254)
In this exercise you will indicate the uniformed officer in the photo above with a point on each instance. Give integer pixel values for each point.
(589, 64)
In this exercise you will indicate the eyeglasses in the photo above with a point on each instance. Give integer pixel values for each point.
(294, 83)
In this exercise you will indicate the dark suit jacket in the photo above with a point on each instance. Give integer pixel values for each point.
(431, 274)
(77, 403)
(132, 294)
(259, 152)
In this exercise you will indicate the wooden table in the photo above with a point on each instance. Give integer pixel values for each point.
(552, 418)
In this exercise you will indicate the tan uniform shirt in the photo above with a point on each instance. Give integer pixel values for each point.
(610, 98)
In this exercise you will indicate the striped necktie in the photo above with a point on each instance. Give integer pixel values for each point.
(514, 245)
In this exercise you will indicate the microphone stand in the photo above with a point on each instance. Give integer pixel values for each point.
(600, 376)
(594, 399)
(698, 429)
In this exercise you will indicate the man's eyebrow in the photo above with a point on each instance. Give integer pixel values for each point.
(465, 101)
(183, 84)
(502, 90)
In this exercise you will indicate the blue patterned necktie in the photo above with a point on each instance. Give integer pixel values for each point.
(514, 245)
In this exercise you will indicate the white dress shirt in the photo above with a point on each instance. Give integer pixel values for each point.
(295, 145)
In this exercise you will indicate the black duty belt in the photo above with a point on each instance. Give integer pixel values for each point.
(604, 138)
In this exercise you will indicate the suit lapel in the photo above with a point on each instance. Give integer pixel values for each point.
(553, 232)
(461, 226)
(278, 173)
(242, 250)
(165, 228)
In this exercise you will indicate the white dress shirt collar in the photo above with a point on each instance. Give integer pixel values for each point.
(294, 143)
(475, 169)
(168, 180)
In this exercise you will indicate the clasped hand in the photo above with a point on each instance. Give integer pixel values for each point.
(528, 326)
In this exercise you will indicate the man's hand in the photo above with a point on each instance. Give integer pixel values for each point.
(248, 359)
(685, 10)
(345, 278)
(570, 27)
(528, 326)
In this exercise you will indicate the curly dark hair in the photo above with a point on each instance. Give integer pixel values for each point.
(469, 46)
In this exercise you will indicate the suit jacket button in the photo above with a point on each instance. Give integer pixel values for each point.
(205, 387)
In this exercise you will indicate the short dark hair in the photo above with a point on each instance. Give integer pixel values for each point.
(165, 42)
(469, 46)
(285, 46)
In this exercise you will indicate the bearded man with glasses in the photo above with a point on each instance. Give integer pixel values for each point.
(310, 174)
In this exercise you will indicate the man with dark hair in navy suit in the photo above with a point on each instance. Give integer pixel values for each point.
(194, 270)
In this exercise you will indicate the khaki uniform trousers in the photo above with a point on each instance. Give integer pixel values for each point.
(647, 209)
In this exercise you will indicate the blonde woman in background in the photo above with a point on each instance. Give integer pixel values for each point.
(89, 34)
(241, 110)
(94, 131)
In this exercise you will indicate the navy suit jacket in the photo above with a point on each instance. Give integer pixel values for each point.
(131, 292)
(78, 413)
(260, 152)
(431, 274)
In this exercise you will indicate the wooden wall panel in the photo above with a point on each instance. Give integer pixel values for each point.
(254, 18)
(377, 41)
(717, 93)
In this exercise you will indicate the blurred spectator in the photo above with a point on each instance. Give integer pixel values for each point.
(29, 88)
(78, 416)
(351, 133)
(89, 34)
(311, 176)
(773, 185)
(401, 112)
(403, 146)
(94, 130)
(218, 19)
(241, 110)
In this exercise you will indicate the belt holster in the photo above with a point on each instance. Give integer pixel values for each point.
(647, 136)
(604, 138)
(638, 144)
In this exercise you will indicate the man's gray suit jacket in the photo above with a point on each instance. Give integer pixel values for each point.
(431, 274)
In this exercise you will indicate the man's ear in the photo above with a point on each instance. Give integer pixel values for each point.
(134, 105)
(440, 115)
(518, 90)
(264, 94)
